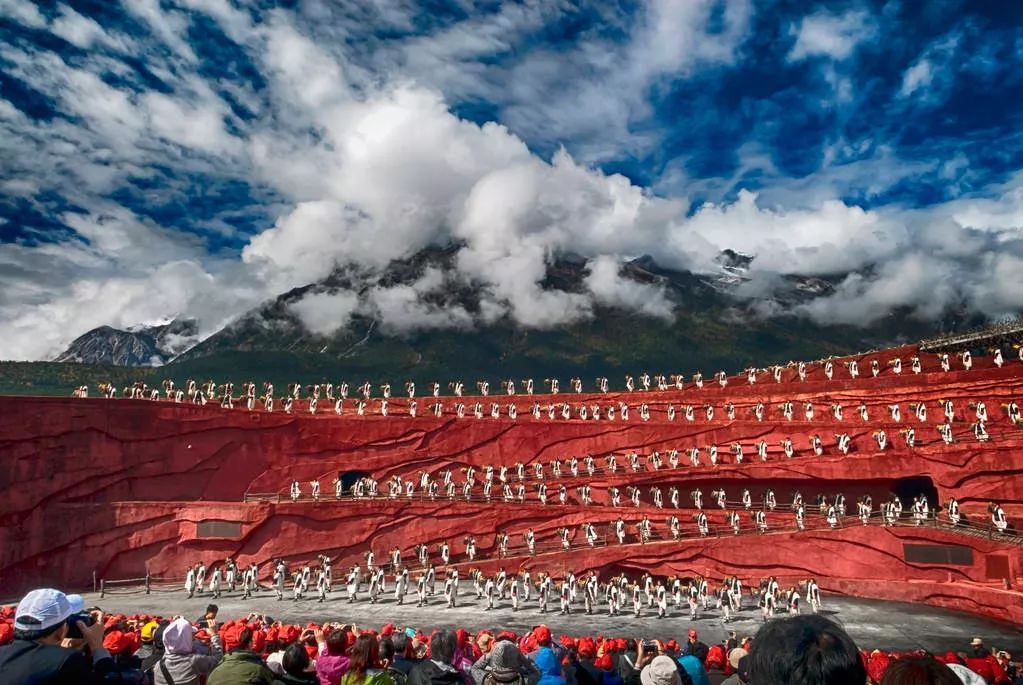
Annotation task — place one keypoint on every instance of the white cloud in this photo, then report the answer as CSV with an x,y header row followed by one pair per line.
x,y
84,32
366,167
608,287
835,36
325,313
24,12
916,77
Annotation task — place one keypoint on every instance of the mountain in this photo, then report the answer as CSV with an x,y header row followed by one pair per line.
x,y
137,346
718,324
712,329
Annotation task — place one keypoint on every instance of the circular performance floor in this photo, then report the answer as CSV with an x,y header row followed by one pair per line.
x,y
894,626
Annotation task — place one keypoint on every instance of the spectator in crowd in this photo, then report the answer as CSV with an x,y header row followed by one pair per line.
x,y
694,647
297,667
242,665
966,676
438,669
549,666
694,668
661,670
387,654
403,660
738,660
331,660
980,660
804,650
180,664
919,670
365,667
50,632
504,665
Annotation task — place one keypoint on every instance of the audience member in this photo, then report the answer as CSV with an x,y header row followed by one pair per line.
x,y
50,633
804,650
919,670
438,669
180,664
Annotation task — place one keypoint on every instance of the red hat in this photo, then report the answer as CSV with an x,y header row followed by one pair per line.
x,y
604,662
672,646
587,647
507,635
7,611
567,641
258,640
877,665
273,633
292,633
202,635
621,645
542,634
117,642
463,637
387,630
692,632
6,633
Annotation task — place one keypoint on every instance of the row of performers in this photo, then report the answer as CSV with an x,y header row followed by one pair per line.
x,y
201,393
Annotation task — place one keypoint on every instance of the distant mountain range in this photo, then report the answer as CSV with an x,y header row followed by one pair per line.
x,y
140,346
712,329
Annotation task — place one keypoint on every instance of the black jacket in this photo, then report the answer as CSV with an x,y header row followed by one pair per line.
x,y
29,663
428,673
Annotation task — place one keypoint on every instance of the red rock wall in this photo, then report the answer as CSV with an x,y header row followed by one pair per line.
x,y
111,485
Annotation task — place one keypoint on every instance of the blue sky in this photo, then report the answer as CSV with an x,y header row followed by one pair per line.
x,y
194,157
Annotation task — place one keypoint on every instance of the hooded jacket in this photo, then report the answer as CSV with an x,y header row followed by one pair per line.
x,y
549,667
183,665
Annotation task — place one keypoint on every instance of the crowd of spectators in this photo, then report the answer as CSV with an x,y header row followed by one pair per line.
x,y
52,639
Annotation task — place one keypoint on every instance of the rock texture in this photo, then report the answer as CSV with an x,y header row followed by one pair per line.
x,y
119,486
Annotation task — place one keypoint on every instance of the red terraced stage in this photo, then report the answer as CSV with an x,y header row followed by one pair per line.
x,y
118,486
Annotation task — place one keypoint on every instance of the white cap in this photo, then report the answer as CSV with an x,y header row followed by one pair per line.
x,y
77,603
42,609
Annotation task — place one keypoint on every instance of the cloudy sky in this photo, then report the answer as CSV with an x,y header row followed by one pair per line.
x,y
163,158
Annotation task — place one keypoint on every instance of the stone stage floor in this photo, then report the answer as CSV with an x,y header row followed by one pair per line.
x,y
871,623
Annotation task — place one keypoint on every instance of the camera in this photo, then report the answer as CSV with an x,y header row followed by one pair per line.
x,y
649,647
73,630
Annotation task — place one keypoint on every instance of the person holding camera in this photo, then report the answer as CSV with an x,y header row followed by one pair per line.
x,y
52,632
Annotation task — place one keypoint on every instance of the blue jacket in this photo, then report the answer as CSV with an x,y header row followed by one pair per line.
x,y
549,666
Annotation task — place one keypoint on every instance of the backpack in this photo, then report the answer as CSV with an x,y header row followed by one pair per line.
x,y
398,676
503,678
